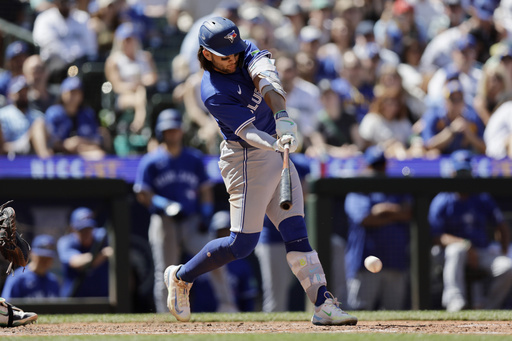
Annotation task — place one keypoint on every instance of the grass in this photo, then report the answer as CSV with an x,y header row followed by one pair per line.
x,y
337,334
424,315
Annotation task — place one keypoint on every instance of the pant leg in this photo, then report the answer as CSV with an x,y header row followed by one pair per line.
x,y
339,280
166,251
500,268
454,285
275,275
363,290
394,291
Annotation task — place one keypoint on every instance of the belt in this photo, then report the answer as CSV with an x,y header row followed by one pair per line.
x,y
245,144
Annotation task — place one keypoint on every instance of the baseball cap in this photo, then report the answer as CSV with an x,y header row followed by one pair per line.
x,y
16,84
220,220
15,49
461,160
452,87
374,155
484,9
401,6
70,83
321,4
44,245
82,218
168,119
221,37
126,30
290,8
467,41
364,28
309,34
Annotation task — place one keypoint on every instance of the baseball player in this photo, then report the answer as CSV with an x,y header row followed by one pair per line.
x,y
242,90
16,250
172,183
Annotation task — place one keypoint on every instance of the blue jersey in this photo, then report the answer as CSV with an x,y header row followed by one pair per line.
x,y
5,79
234,101
95,282
435,120
61,126
389,242
175,178
26,283
466,218
15,123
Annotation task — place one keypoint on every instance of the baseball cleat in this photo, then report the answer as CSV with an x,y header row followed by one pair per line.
x,y
11,316
329,313
177,300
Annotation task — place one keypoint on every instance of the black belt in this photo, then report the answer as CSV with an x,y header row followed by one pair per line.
x,y
245,144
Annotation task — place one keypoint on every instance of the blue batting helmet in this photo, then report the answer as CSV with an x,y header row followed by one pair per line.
x,y
221,37
167,119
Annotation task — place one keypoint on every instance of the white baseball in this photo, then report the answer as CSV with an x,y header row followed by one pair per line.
x,y
373,264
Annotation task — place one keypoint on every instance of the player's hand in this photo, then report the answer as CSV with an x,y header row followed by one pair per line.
x,y
286,126
284,140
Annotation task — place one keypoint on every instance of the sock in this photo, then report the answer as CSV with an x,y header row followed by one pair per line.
x,y
295,235
320,298
213,255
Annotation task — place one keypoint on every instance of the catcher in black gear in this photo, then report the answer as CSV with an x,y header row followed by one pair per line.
x,y
16,250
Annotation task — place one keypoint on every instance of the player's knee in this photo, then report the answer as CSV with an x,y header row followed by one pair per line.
x,y
243,243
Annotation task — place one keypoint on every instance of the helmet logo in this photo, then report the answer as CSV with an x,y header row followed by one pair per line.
x,y
231,36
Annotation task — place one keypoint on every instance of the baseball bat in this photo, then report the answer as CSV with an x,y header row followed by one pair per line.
x,y
285,197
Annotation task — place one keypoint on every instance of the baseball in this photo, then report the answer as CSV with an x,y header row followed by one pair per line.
x,y
373,264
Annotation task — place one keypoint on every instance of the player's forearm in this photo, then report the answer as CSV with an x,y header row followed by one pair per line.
x,y
257,138
275,101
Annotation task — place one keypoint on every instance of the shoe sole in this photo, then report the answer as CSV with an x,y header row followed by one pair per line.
x,y
30,320
334,323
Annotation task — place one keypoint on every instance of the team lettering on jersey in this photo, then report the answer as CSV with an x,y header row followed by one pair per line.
x,y
256,98
170,177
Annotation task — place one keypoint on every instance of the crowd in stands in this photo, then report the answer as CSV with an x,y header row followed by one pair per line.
x,y
398,68
413,78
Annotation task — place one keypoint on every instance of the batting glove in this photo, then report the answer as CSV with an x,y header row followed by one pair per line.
x,y
285,125
284,140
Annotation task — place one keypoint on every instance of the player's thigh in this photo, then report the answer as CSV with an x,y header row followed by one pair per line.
x,y
251,176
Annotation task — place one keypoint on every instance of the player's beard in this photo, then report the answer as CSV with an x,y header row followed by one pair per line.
x,y
231,68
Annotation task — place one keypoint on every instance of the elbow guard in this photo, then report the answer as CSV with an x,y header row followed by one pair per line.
x,y
264,68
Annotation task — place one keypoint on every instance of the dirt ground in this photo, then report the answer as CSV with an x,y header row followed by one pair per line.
x,y
426,327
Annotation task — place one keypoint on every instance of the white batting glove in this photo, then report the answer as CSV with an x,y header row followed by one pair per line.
x,y
285,125
284,140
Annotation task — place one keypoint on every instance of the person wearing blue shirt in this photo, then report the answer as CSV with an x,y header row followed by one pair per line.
x,y
15,55
35,281
453,125
171,181
84,254
379,226
459,224
72,126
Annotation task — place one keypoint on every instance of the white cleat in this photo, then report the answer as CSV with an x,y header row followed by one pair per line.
x,y
11,316
329,313
177,300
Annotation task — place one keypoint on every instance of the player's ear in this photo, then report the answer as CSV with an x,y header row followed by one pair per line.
x,y
207,54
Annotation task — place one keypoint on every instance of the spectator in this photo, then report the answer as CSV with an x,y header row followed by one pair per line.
x,y
453,126
495,87
459,223
287,36
64,38
22,129
340,42
337,132
379,225
241,275
15,55
106,16
73,127
172,183
84,254
320,16
324,67
352,86
39,97
387,124
131,71
464,65
36,280
452,16
303,98
498,132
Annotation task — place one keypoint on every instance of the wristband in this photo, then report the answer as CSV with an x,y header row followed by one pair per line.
x,y
280,114
159,202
